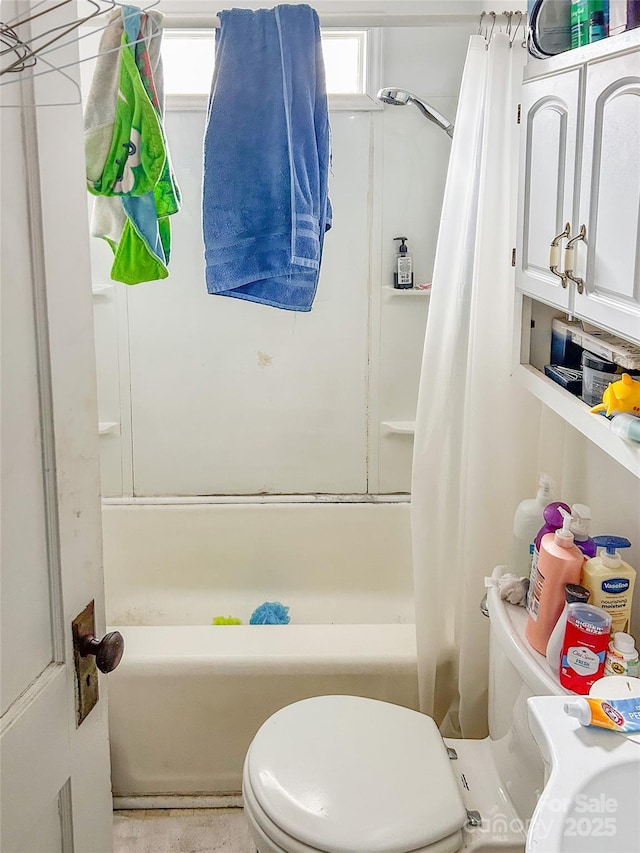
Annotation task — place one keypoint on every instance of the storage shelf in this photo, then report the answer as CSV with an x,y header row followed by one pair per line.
x,y
108,427
595,427
400,427
409,291
103,290
620,43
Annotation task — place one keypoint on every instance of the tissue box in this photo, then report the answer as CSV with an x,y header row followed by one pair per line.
x,y
608,346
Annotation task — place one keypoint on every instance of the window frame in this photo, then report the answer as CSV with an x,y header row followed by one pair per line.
x,y
371,70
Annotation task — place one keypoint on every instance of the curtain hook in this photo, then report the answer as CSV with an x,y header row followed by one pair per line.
x,y
482,17
520,18
508,16
493,25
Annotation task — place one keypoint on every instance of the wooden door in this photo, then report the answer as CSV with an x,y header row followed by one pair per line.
x,y
55,783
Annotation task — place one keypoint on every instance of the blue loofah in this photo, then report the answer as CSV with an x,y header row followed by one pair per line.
x,y
270,613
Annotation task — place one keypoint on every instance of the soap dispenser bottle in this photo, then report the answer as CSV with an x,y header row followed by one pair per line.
x,y
527,521
580,524
559,563
553,515
610,580
403,273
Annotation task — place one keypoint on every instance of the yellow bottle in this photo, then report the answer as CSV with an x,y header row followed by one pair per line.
x,y
610,581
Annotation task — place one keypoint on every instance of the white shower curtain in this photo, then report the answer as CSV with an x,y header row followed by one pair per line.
x,y
476,439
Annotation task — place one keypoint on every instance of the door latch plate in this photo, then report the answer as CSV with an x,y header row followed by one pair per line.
x,y
87,691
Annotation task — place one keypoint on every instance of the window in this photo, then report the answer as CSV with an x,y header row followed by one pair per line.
x,y
188,59
345,56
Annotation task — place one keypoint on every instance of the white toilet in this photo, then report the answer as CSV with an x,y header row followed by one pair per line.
x,y
343,774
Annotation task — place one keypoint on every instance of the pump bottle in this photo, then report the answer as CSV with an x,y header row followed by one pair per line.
x,y
403,273
610,581
580,524
559,563
553,516
527,521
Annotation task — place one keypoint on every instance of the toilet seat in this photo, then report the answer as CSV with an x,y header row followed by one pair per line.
x,y
269,838
343,774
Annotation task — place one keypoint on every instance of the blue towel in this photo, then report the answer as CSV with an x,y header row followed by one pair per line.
x,y
266,158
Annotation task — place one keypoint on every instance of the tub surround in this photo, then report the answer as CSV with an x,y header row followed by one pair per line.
x,y
183,564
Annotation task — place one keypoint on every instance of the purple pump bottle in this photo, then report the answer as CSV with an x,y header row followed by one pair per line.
x,y
552,521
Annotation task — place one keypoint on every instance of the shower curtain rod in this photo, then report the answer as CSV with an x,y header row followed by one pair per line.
x,y
336,20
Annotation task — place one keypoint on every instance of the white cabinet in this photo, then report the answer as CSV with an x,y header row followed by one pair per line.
x,y
548,175
609,205
580,165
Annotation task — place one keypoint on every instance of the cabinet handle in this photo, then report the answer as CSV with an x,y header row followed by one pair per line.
x,y
569,260
554,254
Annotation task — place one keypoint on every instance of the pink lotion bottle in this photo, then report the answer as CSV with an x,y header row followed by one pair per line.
x,y
559,563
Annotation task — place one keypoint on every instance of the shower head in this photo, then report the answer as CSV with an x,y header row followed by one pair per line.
x,y
400,97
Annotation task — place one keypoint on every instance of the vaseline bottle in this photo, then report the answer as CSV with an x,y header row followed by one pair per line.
x,y
610,581
559,563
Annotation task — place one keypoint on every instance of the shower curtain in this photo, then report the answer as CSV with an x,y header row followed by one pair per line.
x,y
476,441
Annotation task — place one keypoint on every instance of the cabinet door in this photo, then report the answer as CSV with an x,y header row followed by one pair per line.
x,y
609,260
547,174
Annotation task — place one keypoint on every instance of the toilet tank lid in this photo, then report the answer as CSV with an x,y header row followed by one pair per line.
x,y
347,774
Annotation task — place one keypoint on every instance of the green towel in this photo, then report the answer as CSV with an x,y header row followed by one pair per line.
x,y
128,165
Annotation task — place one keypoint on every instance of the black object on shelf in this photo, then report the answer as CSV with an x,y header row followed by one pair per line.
x,y
566,377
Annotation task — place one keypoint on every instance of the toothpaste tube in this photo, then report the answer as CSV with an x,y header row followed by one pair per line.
x,y
620,715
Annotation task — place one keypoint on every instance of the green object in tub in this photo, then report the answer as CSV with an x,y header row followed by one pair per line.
x,y
226,620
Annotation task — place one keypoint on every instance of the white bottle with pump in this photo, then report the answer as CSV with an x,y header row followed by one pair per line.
x,y
527,521
580,524
403,272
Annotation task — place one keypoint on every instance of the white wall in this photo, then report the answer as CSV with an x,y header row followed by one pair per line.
x,y
230,397
220,396
429,63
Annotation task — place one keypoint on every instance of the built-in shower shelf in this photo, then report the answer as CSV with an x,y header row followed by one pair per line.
x,y
399,427
108,428
409,291
101,290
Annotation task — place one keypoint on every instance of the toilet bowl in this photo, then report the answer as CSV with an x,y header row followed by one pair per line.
x,y
346,774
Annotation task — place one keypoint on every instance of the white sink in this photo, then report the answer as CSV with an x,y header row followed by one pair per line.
x,y
590,803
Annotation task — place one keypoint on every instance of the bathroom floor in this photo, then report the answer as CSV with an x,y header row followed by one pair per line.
x,y
180,831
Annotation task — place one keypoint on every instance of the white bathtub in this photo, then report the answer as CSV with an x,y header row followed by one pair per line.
x,y
188,697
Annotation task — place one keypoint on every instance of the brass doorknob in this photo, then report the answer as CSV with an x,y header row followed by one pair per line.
x,y
108,650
